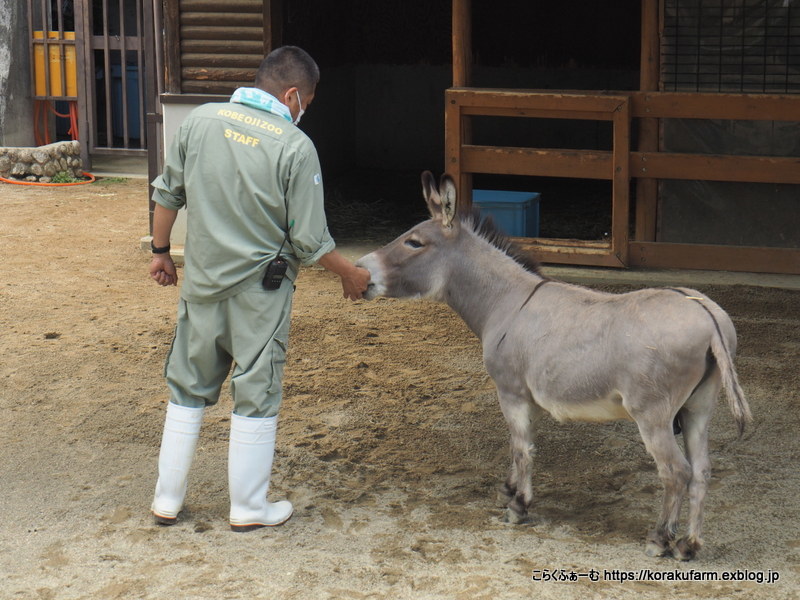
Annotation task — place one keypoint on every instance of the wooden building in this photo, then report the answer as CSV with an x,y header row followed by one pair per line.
x,y
711,61
684,115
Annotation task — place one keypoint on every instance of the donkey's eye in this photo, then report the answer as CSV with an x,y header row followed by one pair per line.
x,y
413,243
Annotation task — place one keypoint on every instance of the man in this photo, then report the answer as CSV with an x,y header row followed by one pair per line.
x,y
251,183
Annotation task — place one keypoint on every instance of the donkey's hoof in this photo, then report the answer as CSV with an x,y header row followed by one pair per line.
x,y
503,499
655,549
515,518
685,549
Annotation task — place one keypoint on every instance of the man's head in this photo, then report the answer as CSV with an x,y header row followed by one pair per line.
x,y
291,75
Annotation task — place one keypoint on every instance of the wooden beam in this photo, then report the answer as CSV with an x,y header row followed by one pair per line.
x,y
207,88
202,32
566,251
644,104
536,113
462,43
659,255
222,60
590,246
223,46
221,5
218,74
712,167
747,107
227,19
499,160
556,102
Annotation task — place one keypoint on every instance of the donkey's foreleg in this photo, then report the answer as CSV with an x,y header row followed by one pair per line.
x,y
518,487
675,474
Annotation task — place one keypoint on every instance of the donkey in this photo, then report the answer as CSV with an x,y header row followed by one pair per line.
x,y
656,356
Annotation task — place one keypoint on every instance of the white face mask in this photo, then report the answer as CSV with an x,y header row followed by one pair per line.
x,y
300,104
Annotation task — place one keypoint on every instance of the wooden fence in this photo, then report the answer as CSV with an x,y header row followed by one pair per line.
x,y
621,165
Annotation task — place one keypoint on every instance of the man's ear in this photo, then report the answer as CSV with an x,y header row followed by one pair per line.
x,y
289,95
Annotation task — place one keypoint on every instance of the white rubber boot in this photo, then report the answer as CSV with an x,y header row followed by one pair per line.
x,y
181,430
250,453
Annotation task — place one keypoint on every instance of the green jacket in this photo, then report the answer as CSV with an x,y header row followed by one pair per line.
x,y
244,175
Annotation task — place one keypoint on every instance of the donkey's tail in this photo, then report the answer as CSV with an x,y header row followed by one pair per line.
x,y
730,380
722,354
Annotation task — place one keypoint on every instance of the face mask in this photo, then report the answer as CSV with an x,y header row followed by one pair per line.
x,y
300,104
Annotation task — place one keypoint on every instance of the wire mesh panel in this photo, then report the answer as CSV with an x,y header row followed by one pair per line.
x,y
731,46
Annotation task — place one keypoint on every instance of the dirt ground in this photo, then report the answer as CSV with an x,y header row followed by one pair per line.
x,y
391,445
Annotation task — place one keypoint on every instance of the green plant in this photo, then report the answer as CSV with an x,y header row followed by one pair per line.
x,y
63,177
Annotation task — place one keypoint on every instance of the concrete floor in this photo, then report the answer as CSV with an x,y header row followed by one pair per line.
x,y
130,167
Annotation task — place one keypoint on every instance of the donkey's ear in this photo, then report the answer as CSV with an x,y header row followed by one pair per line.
x,y
448,199
431,194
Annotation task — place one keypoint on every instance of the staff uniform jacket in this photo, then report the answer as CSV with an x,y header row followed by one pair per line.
x,y
244,174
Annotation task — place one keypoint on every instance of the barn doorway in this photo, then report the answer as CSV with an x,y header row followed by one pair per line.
x,y
378,117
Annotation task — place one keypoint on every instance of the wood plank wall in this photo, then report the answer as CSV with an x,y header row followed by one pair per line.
x,y
217,45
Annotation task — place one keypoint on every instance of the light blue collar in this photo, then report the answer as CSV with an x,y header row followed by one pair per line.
x,y
262,100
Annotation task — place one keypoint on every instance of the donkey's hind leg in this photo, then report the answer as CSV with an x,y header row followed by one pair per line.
x,y
518,488
694,417
675,474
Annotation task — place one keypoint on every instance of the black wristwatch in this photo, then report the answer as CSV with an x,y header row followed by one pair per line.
x,y
155,250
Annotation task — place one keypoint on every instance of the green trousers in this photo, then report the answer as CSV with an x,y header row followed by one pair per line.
x,y
249,331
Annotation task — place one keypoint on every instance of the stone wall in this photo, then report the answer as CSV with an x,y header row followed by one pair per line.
x,y
43,163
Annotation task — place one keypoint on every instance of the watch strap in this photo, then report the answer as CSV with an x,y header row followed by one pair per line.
x,y
157,250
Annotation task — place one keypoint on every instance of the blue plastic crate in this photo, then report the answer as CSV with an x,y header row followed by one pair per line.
x,y
515,213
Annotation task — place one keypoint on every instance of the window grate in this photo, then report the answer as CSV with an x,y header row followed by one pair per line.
x,y
750,46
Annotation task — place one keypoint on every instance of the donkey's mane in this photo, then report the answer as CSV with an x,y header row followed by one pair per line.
x,y
487,229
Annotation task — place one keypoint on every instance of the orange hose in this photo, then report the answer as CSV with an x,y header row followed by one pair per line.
x,y
73,120
41,108
14,181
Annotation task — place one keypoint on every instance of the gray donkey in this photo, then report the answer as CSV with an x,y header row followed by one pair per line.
x,y
656,356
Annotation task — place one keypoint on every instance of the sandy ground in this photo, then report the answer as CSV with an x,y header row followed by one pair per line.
x,y
391,445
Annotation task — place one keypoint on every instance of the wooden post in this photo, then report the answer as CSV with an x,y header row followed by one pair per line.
x,y
462,43
273,25
172,46
649,76
620,189
462,77
85,81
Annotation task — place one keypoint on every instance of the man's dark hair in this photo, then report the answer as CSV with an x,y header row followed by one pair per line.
x,y
285,67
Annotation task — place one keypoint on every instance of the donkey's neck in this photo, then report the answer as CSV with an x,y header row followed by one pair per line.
x,y
482,281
